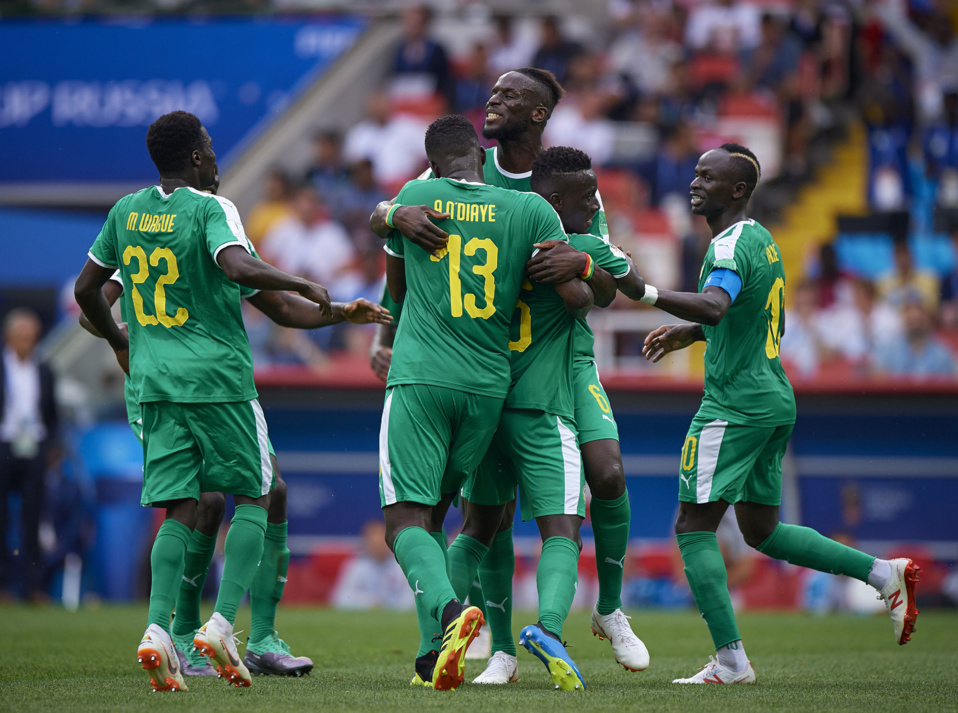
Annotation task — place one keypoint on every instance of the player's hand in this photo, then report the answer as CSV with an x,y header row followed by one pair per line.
x,y
669,338
555,262
362,311
414,222
379,359
317,293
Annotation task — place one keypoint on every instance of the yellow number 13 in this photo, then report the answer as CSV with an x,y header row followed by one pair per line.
x,y
455,251
159,293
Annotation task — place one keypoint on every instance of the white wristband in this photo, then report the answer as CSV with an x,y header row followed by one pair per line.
x,y
650,296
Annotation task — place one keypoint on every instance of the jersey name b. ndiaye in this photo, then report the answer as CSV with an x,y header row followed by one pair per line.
x,y
188,343
744,379
458,305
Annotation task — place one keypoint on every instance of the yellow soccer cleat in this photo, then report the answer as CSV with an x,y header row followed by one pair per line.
x,y
451,665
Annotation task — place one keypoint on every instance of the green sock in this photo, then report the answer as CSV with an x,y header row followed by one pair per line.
x,y
611,520
465,554
476,598
430,630
166,568
495,574
269,582
424,564
199,553
708,579
556,579
806,548
243,551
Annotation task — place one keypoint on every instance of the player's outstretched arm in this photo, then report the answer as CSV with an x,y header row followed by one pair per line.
x,y
381,349
632,285
242,268
93,303
112,291
706,307
296,312
671,338
557,262
413,221
577,296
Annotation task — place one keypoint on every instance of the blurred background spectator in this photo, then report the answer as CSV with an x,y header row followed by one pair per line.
x,y
373,580
274,207
918,353
28,447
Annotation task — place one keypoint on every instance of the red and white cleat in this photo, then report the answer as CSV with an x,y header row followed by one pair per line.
x,y
158,658
899,598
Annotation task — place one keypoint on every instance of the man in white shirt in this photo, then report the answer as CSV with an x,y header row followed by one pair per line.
x,y
28,427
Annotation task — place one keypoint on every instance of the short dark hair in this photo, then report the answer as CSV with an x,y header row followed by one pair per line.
x,y
450,136
747,167
172,139
552,91
557,160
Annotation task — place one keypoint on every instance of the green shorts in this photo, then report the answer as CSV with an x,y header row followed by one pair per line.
x,y
538,452
430,439
593,414
190,449
726,461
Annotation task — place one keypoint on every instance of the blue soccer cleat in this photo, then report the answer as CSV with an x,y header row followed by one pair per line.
x,y
565,674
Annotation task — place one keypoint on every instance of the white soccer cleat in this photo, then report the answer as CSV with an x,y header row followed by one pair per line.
x,y
899,597
158,658
215,639
714,672
481,646
628,649
501,668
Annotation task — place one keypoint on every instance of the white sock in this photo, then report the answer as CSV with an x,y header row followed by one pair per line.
x,y
880,574
732,656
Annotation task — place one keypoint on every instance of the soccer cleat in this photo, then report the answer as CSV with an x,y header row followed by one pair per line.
x,y
215,639
628,649
501,668
425,665
565,674
714,672
192,662
899,597
272,657
451,663
481,648
158,658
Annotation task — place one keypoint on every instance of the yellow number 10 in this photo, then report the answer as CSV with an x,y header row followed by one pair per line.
x,y
776,301
487,270
159,293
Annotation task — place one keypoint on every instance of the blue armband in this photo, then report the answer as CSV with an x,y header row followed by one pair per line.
x,y
727,280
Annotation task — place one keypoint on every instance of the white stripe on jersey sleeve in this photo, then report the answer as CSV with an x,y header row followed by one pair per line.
x,y
99,262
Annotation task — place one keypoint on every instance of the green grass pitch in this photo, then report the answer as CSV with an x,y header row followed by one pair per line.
x,y
53,660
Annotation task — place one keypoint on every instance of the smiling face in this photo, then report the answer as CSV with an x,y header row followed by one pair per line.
x,y
515,105
577,203
715,187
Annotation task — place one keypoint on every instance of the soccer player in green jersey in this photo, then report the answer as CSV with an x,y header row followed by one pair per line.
x,y
450,373
516,115
734,448
266,653
189,358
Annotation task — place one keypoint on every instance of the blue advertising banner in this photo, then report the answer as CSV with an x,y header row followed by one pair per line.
x,y
76,98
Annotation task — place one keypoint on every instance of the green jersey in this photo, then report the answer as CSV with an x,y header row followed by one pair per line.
x,y
610,259
495,175
542,342
458,306
745,383
187,339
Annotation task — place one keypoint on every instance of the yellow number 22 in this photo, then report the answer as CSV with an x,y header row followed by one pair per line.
x,y
159,294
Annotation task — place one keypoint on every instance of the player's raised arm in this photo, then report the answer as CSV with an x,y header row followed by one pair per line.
x,y
706,307
413,221
557,262
244,269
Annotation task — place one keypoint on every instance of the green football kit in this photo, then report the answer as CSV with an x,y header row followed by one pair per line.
x,y
735,444
454,334
188,345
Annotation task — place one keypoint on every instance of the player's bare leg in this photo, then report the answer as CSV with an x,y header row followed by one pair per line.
x,y
611,520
